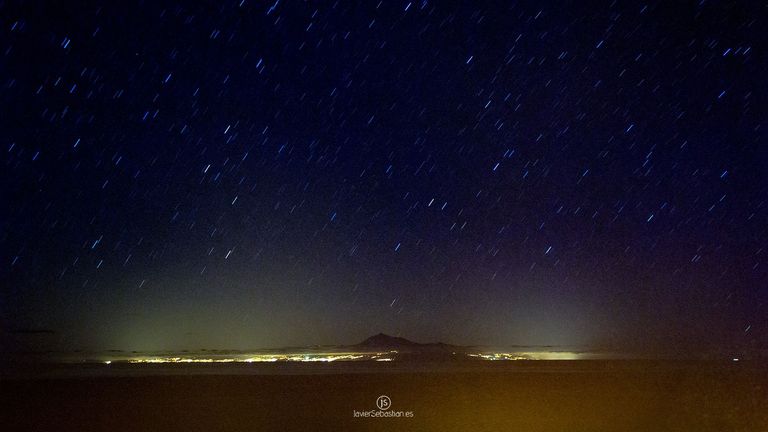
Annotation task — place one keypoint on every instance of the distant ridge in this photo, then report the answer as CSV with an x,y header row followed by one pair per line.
x,y
382,340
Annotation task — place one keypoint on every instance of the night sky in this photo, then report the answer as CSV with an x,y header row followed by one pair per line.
x,y
257,174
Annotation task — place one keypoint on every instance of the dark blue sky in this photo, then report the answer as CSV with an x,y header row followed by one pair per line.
x,y
251,174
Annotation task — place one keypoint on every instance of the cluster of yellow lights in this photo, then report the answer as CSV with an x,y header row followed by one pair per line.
x,y
553,355
498,356
267,358
181,360
330,357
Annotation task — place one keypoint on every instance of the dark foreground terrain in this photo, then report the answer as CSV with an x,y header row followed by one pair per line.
x,y
511,396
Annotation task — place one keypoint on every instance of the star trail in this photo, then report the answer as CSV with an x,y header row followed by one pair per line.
x,y
261,174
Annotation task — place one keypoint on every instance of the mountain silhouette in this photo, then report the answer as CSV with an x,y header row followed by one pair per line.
x,y
383,341
386,341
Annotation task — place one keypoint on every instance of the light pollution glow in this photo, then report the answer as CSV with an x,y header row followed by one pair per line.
x,y
544,355
352,356
269,358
